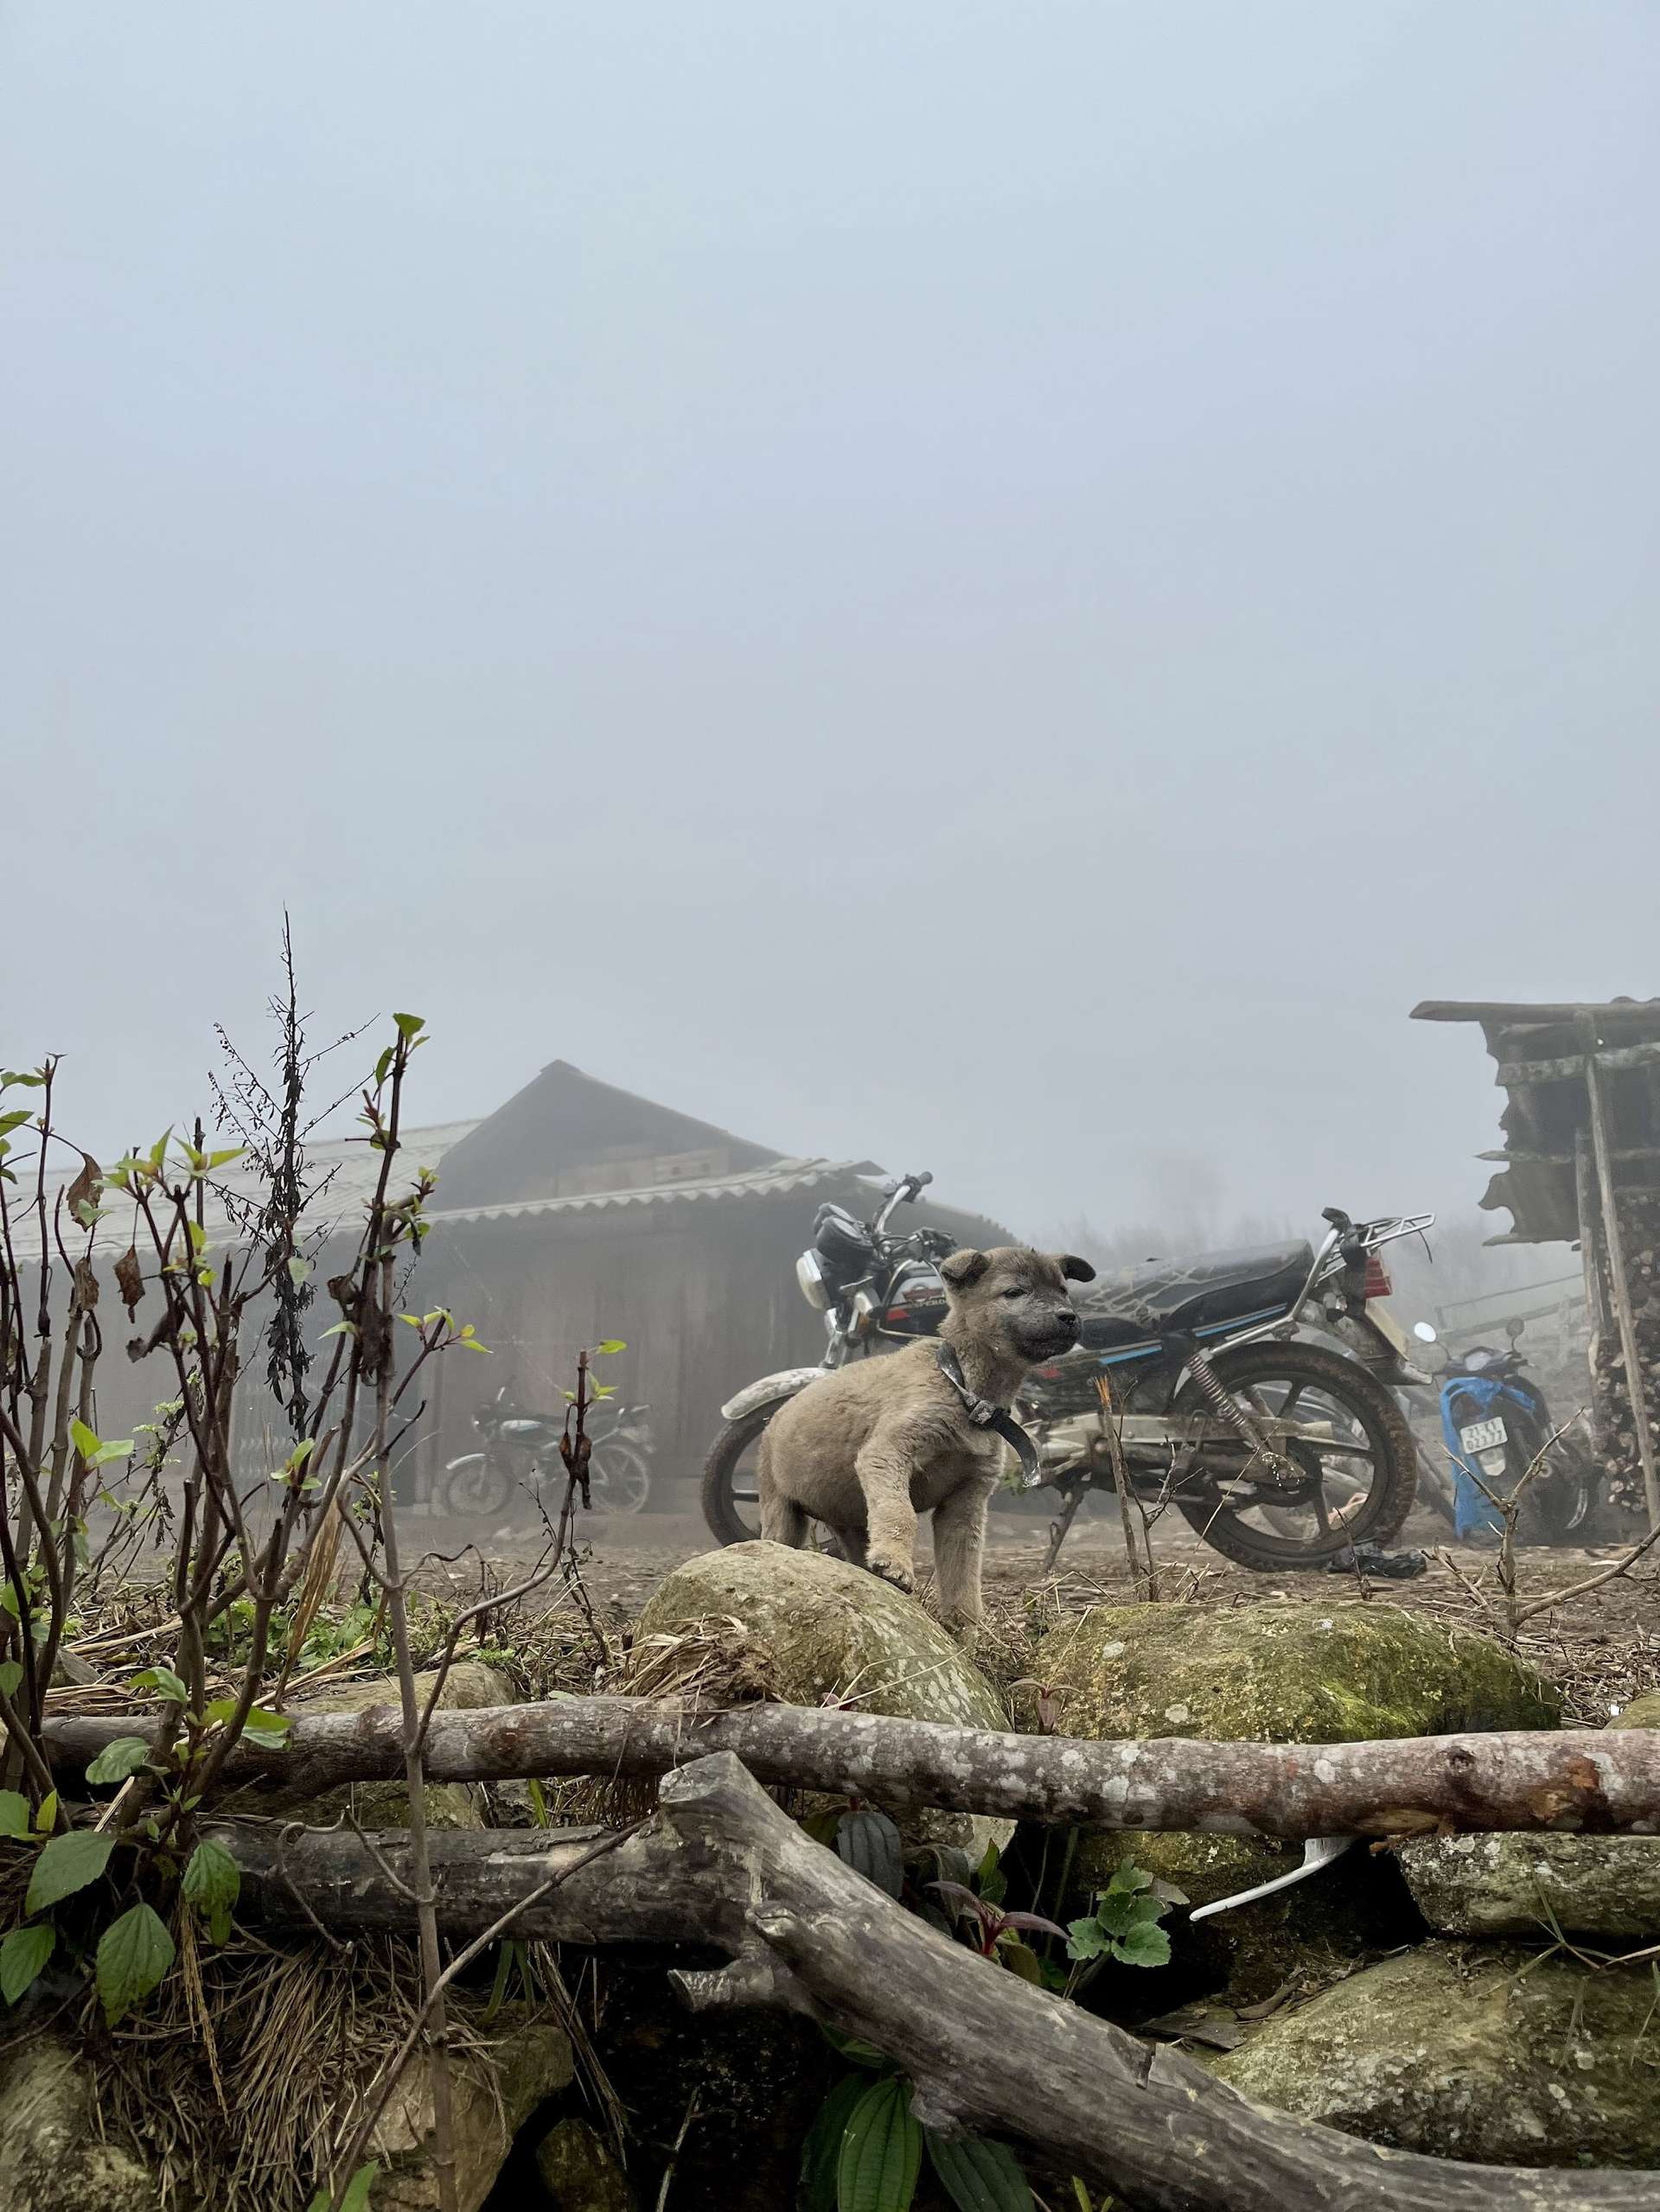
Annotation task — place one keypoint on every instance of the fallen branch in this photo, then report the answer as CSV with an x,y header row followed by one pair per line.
x,y
722,1867
1603,1781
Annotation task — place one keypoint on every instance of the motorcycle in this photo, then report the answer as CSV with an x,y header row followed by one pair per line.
x,y
1190,1375
1496,1426
521,1449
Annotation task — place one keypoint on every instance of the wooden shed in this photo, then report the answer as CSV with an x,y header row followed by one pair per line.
x,y
1580,1165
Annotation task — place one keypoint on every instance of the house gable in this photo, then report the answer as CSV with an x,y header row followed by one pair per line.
x,y
565,1135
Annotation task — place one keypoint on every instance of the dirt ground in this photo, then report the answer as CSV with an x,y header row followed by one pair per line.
x,y
1602,1646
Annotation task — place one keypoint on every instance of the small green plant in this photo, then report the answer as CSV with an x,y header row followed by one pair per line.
x,y
1124,1926
863,2152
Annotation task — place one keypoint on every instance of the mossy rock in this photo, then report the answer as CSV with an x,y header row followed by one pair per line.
x,y
1486,2052
1599,1886
823,1631
1274,1673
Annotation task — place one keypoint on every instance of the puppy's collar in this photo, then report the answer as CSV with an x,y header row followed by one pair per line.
x,y
984,1415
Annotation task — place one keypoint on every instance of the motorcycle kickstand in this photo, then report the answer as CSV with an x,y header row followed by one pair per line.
x,y
1057,1529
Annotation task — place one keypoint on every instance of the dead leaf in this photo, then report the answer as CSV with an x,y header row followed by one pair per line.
x,y
1267,2004
83,1191
85,1285
130,1280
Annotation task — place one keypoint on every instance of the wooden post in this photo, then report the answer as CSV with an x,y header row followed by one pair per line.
x,y
1620,1289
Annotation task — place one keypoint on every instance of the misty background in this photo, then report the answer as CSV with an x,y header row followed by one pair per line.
x,y
994,588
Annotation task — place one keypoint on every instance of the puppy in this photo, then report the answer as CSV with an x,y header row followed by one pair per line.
x,y
866,1449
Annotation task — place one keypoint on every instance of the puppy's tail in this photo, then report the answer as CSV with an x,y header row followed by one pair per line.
x,y
783,1522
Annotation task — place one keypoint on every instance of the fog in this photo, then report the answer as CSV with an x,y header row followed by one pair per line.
x,y
997,589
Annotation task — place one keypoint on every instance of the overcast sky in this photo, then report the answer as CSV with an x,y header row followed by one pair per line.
x,y
1001,587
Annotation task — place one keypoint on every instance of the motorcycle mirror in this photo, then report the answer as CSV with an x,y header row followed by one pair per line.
x,y
1424,1333
1514,1327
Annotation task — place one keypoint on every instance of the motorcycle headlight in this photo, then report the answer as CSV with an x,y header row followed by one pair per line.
x,y
815,1289
1475,1362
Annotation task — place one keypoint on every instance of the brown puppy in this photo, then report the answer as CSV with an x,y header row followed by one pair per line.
x,y
868,1448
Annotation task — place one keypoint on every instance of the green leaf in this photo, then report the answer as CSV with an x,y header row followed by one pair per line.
x,y
11,1677
978,2176
13,1815
15,1119
164,1679
356,2199
224,1159
868,1842
270,1727
611,1344
85,1441
46,1813
66,1863
134,1952
10,1075
1087,1938
822,2152
989,1878
881,2152
1145,1945
1127,1876
537,1797
212,1883
410,1025
855,2051
119,1759
23,1954
1020,1959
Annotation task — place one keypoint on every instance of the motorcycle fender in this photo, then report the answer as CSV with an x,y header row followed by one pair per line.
x,y
467,1459
770,1390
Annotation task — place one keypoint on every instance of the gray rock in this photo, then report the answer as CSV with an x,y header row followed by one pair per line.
x,y
532,2060
1488,2053
52,2159
1601,1886
830,1631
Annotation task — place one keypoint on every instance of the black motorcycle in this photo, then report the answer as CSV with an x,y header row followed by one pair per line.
x,y
521,1452
1279,1452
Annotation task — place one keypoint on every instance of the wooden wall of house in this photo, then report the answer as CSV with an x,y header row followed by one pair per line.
x,y
704,1296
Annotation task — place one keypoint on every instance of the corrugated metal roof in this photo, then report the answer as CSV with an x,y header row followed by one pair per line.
x,y
775,1180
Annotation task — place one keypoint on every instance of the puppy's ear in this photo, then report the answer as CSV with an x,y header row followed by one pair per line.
x,y
962,1268
1074,1269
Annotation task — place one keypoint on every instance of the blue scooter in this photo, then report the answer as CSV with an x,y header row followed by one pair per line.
x,y
1496,1425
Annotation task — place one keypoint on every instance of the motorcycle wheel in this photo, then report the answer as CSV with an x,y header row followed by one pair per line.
x,y
476,1488
731,1501
732,1498
1371,1449
619,1478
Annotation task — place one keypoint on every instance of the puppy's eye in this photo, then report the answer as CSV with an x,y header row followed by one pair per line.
x,y
1016,1290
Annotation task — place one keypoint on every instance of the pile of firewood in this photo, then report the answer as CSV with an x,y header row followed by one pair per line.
x,y
1616,1431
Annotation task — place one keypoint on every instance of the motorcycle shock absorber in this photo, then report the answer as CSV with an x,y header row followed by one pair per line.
x,y
1229,1412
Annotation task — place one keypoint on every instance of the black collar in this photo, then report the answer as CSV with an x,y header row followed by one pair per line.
x,y
986,1416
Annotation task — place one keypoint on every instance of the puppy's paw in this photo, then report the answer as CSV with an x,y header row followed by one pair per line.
x,y
964,1635
892,1571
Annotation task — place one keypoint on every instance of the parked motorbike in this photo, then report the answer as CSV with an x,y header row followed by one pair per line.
x,y
1496,1425
1279,1452
521,1450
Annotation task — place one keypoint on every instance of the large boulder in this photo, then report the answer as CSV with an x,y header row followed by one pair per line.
x,y
1605,1886
818,1631
1273,1674
53,2156
1488,2053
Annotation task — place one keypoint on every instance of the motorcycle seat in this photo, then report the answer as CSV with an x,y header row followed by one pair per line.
x,y
1126,1305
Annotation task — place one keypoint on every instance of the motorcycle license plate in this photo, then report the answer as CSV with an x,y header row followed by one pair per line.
x,y
1482,1436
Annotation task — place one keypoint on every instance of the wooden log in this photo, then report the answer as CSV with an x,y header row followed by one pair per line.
x,y
723,1867
1604,1780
